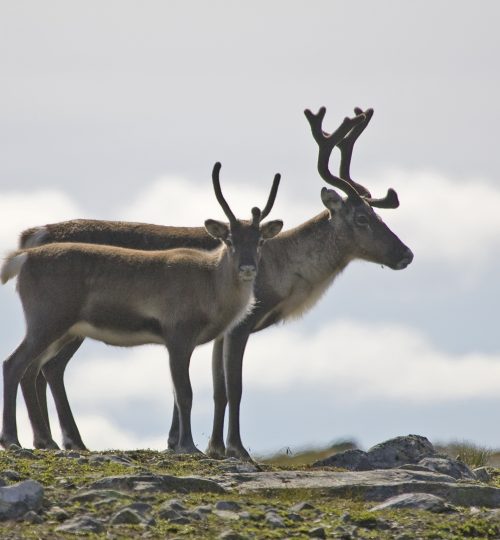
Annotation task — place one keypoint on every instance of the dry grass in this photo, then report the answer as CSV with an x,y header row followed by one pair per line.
x,y
469,453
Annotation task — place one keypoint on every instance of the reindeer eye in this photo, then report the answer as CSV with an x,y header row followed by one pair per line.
x,y
362,220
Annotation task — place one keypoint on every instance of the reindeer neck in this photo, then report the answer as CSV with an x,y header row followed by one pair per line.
x,y
315,249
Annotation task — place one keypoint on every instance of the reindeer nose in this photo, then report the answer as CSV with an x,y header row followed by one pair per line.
x,y
405,260
247,272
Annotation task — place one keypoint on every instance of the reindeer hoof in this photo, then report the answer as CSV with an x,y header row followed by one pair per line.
x,y
215,451
46,445
238,453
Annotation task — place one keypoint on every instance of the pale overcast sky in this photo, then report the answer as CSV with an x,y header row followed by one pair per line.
x,y
118,110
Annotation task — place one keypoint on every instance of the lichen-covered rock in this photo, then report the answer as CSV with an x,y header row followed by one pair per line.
x,y
400,450
449,466
301,506
20,498
416,501
157,483
317,532
232,506
386,455
81,525
231,535
274,520
126,516
482,474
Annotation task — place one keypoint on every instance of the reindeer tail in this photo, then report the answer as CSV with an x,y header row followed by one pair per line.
x,y
12,265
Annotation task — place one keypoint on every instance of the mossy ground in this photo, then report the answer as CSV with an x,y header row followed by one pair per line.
x,y
345,518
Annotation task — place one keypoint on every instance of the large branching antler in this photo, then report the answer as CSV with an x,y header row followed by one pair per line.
x,y
349,130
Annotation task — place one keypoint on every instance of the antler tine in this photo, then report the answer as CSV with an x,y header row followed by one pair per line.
x,y
389,201
218,193
330,139
346,146
272,196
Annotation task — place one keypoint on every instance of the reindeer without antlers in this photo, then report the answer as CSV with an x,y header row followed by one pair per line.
x,y
296,269
179,298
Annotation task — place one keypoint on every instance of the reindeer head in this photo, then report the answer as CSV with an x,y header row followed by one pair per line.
x,y
243,239
353,216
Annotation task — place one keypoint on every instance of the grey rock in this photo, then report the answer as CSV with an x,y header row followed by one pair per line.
x,y
57,513
173,504
416,501
399,451
386,455
181,520
231,535
227,515
299,507
157,483
274,521
126,516
414,467
482,474
204,509
8,474
232,506
96,494
81,524
17,499
197,516
235,466
72,454
317,532
352,460
169,514
245,515
295,517
451,467
32,517
140,507
377,485
25,453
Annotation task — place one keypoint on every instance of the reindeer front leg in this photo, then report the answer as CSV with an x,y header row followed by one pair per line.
x,y
216,448
180,356
234,349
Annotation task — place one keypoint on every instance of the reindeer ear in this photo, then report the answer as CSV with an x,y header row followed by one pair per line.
x,y
217,229
332,200
271,229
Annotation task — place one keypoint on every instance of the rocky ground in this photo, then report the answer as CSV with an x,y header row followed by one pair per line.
x,y
402,489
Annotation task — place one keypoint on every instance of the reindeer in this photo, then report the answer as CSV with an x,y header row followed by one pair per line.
x,y
297,267
179,298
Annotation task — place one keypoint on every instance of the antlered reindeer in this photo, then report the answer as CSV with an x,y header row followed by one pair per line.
x,y
179,298
297,267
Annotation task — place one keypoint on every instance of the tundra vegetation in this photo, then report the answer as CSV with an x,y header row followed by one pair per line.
x,y
72,504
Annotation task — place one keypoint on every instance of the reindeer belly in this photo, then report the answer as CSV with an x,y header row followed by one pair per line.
x,y
130,334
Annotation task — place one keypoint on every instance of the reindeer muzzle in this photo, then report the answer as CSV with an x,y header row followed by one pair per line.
x,y
247,272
